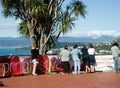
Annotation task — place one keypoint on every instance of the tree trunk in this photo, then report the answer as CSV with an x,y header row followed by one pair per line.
x,y
31,33
41,42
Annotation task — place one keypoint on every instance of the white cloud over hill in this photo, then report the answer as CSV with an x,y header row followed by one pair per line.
x,y
94,34
12,26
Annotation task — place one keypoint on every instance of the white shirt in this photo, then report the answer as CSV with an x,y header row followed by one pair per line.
x,y
114,51
91,51
64,54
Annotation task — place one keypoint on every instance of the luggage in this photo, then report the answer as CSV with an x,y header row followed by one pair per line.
x,y
82,67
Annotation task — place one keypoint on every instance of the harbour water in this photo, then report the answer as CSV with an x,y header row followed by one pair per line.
x,y
13,51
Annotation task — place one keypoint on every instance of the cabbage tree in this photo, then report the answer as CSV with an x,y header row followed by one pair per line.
x,y
44,20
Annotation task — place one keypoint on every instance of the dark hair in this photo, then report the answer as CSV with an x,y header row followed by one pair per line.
x,y
75,46
66,47
91,45
115,44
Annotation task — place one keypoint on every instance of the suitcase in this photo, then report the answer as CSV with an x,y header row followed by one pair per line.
x,y
82,67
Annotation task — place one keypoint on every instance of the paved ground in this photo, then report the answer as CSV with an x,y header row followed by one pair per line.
x,y
90,80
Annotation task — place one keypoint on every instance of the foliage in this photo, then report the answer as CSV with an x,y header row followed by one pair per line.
x,y
43,20
102,47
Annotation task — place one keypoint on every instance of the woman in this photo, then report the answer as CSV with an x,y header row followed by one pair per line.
x,y
64,55
91,52
75,56
86,59
34,53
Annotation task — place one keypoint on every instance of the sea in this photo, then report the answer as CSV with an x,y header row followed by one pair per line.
x,y
12,51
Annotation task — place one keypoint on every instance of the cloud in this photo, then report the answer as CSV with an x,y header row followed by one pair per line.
x,y
9,25
17,21
94,33
9,28
99,33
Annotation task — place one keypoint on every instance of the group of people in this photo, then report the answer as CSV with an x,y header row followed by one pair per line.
x,y
86,53
88,57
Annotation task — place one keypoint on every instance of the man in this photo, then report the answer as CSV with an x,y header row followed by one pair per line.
x,y
115,54
65,55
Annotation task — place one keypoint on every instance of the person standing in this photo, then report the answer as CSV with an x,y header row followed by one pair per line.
x,y
86,59
91,52
64,56
115,54
75,56
34,53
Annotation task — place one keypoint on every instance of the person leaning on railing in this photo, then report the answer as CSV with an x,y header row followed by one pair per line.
x,y
115,54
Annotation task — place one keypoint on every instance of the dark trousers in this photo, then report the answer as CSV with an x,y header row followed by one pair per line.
x,y
66,66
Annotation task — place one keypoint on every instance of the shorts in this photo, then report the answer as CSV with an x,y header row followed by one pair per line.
x,y
92,60
34,61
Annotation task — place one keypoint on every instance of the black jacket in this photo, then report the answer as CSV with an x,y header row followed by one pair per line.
x,y
34,53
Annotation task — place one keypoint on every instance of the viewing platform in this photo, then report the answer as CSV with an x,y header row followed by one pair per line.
x,y
20,75
85,80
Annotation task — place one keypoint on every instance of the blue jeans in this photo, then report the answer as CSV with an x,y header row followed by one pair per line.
x,y
116,63
77,66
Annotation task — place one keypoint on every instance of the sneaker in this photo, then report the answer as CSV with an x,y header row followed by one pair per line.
x,y
74,72
62,73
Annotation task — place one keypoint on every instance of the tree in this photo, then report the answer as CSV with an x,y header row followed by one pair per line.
x,y
43,20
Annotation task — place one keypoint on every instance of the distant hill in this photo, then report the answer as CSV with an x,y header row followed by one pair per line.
x,y
14,42
21,41
87,39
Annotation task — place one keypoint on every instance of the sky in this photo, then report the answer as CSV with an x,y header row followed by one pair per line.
x,y
103,18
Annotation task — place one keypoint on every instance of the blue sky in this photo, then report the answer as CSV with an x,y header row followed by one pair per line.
x,y
103,18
